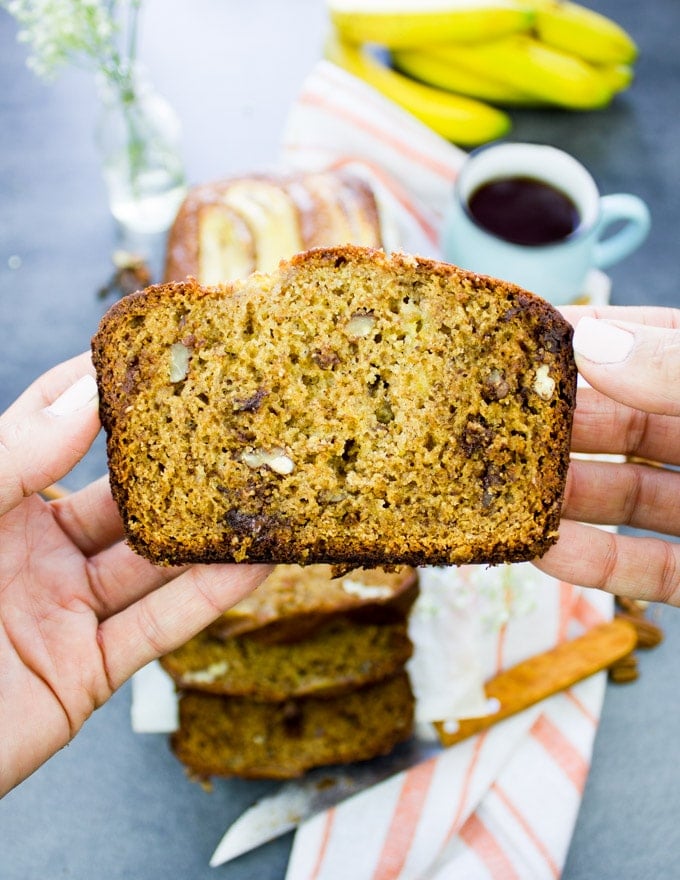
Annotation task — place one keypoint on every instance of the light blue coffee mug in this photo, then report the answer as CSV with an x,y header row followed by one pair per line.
x,y
556,271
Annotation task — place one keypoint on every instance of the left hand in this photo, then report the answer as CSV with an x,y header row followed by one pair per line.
x,y
79,611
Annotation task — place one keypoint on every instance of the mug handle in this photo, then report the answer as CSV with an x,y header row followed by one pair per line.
x,y
635,214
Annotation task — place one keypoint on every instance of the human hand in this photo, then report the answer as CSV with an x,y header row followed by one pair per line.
x,y
631,358
79,611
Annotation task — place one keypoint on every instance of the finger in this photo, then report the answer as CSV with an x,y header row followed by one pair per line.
x,y
89,517
38,448
603,425
636,495
652,316
641,568
635,364
118,577
171,615
50,385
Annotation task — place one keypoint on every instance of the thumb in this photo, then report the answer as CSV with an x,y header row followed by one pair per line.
x,y
42,446
634,364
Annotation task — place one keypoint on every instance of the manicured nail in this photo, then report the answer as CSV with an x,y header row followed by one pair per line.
x,y
81,394
602,342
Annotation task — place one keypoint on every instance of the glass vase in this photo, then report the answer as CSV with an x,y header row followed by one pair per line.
x,y
138,135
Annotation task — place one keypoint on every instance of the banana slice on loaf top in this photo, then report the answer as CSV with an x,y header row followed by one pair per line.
x,y
350,408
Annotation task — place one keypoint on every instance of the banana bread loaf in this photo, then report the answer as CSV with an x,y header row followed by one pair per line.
x,y
350,408
230,228
229,736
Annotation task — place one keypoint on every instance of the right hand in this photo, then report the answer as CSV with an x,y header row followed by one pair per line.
x,y
631,359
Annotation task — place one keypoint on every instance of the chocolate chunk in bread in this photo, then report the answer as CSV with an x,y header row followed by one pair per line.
x,y
349,408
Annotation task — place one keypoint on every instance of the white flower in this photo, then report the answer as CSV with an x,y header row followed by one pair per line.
x,y
100,34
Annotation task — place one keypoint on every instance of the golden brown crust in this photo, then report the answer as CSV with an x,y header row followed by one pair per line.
x,y
351,408
336,208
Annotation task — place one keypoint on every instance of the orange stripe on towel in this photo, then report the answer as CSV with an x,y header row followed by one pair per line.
x,y
323,845
400,834
379,134
399,144
561,750
586,613
465,788
581,706
500,647
486,847
528,830
566,606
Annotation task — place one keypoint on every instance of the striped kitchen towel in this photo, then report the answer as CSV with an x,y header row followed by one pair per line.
x,y
503,804
499,805
339,122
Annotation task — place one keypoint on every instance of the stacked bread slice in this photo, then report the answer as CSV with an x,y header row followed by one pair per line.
x,y
308,671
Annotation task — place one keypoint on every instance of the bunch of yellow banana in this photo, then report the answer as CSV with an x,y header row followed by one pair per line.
x,y
459,64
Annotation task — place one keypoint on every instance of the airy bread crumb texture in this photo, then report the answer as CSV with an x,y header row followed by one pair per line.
x,y
349,408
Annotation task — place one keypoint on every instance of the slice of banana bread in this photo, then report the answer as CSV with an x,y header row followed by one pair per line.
x,y
228,736
350,408
294,601
337,657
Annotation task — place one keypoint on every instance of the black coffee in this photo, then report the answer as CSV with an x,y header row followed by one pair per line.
x,y
523,210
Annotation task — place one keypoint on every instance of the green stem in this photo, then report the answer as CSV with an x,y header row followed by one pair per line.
x,y
133,31
135,144
122,77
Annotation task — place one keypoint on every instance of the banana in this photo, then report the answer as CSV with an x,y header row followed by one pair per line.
x,y
463,121
401,23
437,67
582,32
540,71
617,76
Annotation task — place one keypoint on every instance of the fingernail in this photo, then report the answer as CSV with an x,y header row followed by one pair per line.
x,y
602,342
81,394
